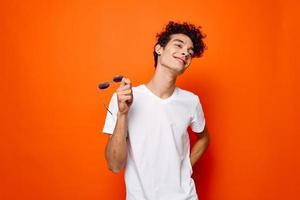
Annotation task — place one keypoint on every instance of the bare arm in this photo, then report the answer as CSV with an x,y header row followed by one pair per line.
x,y
116,148
200,146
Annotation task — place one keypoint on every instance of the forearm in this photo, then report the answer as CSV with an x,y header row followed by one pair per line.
x,y
198,149
116,149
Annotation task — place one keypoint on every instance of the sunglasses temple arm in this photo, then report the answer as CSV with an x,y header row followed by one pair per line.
x,y
106,108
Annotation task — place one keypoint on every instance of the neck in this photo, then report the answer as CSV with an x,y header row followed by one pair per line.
x,y
163,82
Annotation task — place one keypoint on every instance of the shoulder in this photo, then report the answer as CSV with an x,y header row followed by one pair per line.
x,y
138,89
188,95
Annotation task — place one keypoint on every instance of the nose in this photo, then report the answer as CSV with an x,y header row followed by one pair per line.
x,y
184,52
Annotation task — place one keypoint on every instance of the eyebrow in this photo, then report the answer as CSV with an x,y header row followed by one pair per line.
x,y
178,40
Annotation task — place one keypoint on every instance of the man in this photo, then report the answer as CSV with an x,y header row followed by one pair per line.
x,y
148,128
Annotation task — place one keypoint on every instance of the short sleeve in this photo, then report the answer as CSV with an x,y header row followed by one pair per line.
x,y
111,118
198,120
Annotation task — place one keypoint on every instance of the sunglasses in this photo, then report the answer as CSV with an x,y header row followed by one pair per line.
x,y
116,79
104,85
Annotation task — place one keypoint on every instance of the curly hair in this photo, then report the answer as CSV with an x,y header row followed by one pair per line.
x,y
190,30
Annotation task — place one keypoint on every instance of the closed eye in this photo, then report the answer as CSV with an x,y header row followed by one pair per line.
x,y
180,46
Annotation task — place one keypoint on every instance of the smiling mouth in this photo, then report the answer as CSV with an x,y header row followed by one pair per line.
x,y
182,61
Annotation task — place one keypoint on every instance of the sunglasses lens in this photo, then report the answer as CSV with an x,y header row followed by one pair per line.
x,y
103,85
118,78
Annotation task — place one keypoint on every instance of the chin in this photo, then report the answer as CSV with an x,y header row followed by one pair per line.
x,y
181,72
175,67
179,69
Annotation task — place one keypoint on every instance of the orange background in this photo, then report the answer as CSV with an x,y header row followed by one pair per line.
x,y
54,53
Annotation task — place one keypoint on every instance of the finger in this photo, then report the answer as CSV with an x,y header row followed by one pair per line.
x,y
125,81
122,88
130,98
126,87
122,84
124,92
121,97
125,98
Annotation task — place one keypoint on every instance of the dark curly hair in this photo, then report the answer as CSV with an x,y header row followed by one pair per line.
x,y
190,30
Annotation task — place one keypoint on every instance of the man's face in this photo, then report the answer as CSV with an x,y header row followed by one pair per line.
x,y
177,54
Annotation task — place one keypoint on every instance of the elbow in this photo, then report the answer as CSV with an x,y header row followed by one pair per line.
x,y
207,140
206,137
115,168
206,143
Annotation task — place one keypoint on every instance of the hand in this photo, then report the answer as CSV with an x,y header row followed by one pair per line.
x,y
124,95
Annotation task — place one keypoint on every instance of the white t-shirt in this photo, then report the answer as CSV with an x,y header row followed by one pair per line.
x,y
158,164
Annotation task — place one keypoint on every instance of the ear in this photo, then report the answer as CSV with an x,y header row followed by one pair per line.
x,y
158,49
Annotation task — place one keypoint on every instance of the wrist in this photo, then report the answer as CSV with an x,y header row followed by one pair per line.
x,y
121,114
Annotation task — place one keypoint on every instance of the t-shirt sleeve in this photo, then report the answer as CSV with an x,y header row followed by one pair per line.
x,y
198,120
111,118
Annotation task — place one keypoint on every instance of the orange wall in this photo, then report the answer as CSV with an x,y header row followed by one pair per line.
x,y
53,55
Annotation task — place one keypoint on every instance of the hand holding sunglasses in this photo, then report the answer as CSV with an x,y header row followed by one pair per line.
x,y
124,93
125,97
